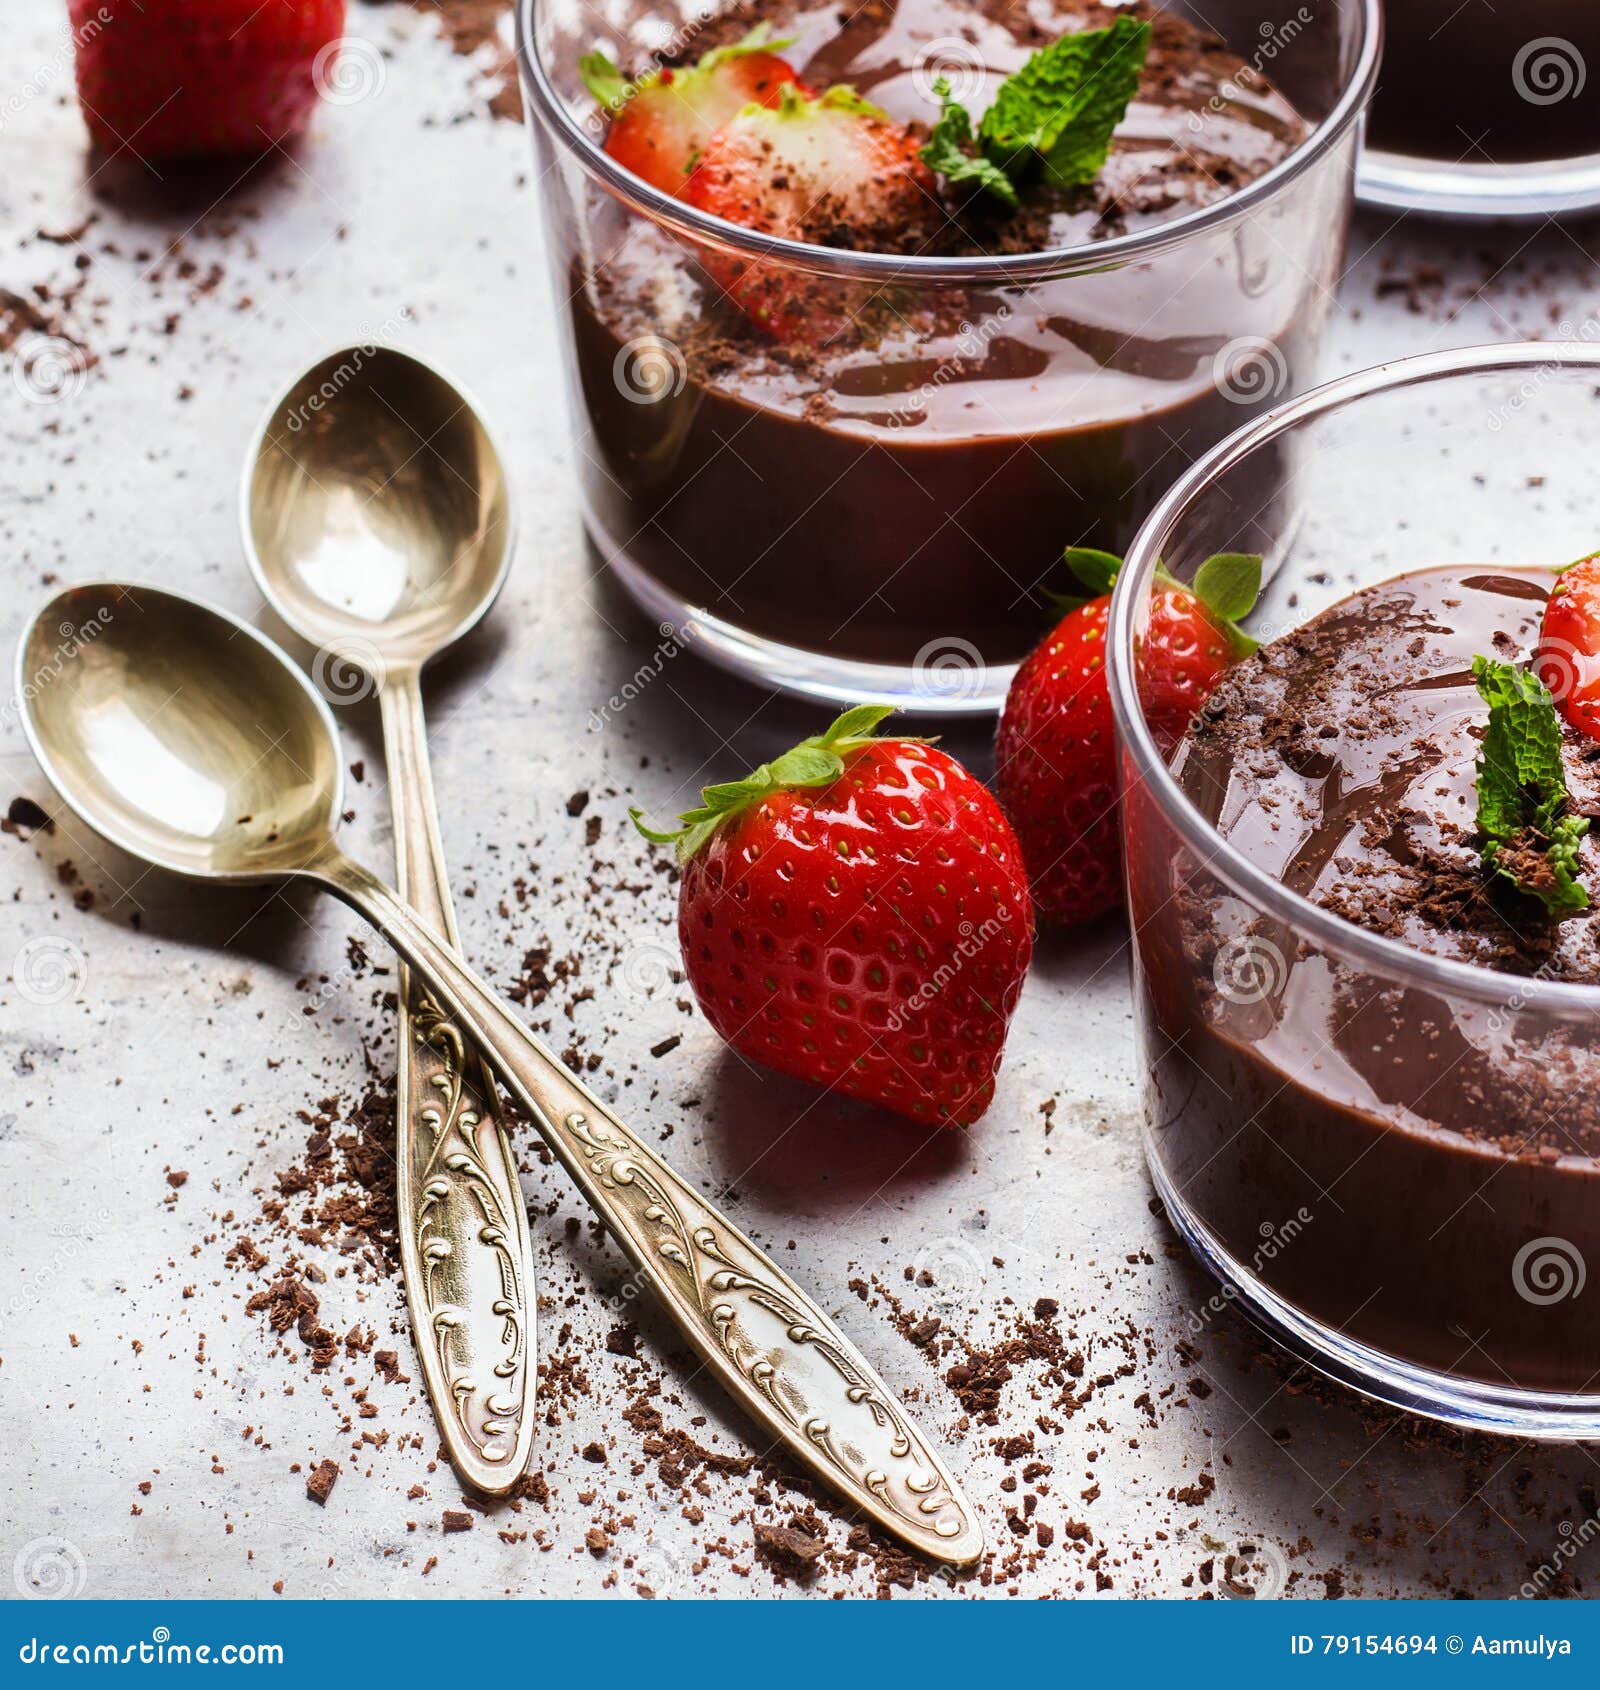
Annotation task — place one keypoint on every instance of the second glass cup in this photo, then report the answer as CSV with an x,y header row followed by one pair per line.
x,y
871,508
1389,1157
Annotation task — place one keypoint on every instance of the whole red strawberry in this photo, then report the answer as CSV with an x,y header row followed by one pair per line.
x,y
1055,755
856,914
168,79
1568,655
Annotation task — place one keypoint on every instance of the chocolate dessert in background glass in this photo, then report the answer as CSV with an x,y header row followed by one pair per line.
x,y
1486,109
1373,1070
874,505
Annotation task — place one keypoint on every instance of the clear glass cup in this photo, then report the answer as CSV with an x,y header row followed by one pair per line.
x,y
879,528
1339,1193
1486,110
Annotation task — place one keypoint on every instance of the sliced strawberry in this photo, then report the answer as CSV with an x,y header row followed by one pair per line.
x,y
1055,756
831,170
1568,656
660,124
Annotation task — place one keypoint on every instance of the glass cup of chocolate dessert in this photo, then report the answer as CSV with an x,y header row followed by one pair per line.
x,y
1486,110
1364,890
869,312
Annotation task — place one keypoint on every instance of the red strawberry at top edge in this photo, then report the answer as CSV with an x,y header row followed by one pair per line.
x,y
1055,756
1568,656
661,123
830,170
167,79
856,913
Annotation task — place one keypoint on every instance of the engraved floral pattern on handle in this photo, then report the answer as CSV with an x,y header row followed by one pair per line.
x,y
779,1343
787,1364
462,1235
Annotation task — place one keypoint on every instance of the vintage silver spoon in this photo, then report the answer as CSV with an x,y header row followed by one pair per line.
x,y
377,520
186,738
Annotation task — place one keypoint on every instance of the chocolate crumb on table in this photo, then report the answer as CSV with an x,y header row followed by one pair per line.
x,y
320,1481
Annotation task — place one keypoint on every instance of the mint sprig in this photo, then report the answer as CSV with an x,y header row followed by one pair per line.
x,y
814,762
950,150
1056,115
1528,838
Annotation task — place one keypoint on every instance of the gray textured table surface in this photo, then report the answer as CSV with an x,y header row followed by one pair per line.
x,y
157,1429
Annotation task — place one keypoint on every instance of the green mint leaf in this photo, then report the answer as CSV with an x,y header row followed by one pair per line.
x,y
1097,570
1567,894
604,81
1528,839
1228,584
1065,102
949,150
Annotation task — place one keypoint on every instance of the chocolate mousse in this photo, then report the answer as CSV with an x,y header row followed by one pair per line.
x,y
1479,82
1434,1156
909,467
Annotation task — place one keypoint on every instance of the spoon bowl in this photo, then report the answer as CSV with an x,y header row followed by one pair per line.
x,y
375,508
178,733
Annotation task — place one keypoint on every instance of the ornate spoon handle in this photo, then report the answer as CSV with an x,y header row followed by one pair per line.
x,y
463,1228
788,1364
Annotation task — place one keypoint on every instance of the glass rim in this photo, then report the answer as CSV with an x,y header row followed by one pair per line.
x,y
1330,932
545,103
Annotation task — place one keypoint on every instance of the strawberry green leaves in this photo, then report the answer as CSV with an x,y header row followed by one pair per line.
x,y
1227,584
1054,117
814,762
1528,839
612,90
